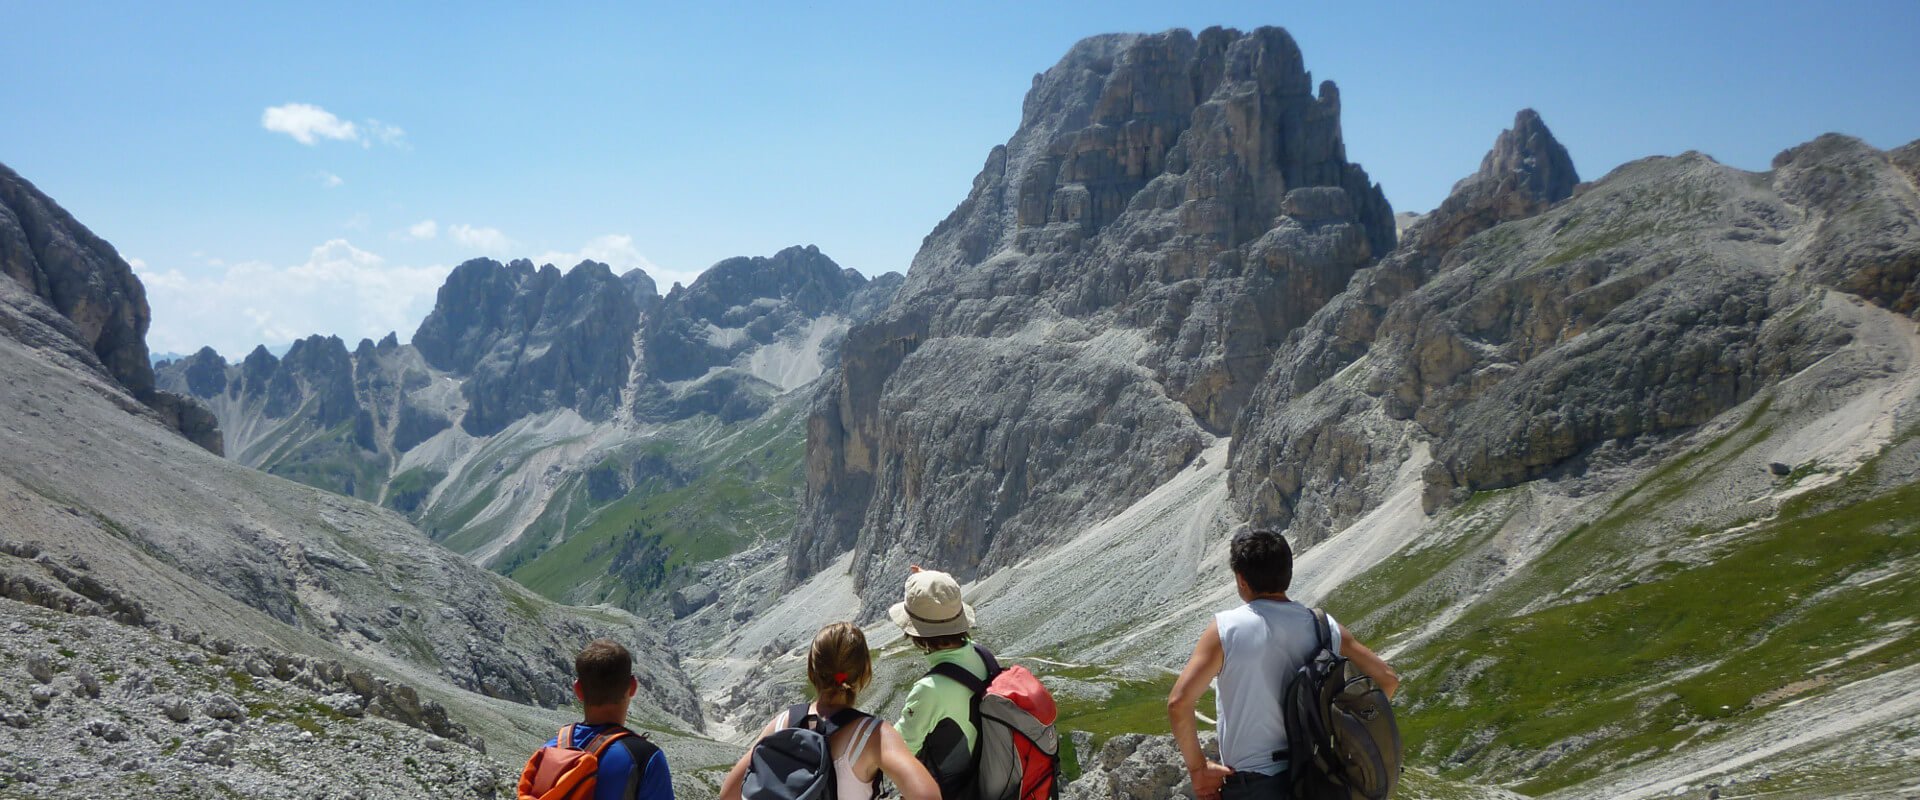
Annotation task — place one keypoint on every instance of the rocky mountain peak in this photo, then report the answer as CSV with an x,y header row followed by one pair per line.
x,y
746,302
1183,201
1525,173
1529,157
79,275
205,371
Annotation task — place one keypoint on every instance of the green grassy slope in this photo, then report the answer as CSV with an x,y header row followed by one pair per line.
x,y
720,489
1553,677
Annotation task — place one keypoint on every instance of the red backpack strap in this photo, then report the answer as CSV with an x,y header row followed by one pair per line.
x,y
564,739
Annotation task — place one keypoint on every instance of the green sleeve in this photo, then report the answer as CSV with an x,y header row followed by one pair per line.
x,y
918,717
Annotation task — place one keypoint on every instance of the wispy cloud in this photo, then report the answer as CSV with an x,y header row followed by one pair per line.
x,y
331,181
389,135
423,230
484,240
308,124
340,289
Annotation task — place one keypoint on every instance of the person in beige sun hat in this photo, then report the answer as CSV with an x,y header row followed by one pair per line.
x,y
933,608
937,721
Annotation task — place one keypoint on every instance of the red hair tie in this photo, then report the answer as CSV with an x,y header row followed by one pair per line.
x,y
839,677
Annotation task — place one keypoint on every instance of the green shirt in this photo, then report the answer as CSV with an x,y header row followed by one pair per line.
x,y
937,697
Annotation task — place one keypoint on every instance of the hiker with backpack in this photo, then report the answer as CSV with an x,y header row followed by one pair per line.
x,y
599,758
985,733
829,750
1295,721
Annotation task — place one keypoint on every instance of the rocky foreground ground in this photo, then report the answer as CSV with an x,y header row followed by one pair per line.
x,y
89,706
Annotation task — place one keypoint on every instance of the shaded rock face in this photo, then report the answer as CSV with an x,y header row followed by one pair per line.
x,y
743,303
528,340
1104,300
316,369
80,275
1649,303
54,257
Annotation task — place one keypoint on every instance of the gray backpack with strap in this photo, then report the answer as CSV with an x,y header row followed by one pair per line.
x,y
1342,742
796,762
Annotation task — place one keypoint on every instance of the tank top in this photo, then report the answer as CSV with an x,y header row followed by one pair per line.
x,y
1263,642
848,785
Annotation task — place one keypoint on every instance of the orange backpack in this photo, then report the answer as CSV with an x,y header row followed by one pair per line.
x,y
562,771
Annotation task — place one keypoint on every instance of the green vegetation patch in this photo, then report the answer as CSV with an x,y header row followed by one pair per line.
x,y
696,506
1779,613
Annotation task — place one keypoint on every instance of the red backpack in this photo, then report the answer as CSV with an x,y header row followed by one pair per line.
x,y
564,771
1018,752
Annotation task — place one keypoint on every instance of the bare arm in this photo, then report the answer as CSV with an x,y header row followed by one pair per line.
x,y
736,778
906,772
1201,669
1370,664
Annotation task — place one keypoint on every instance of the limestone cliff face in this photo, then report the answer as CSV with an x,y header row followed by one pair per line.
x,y
80,275
528,340
1515,338
1103,302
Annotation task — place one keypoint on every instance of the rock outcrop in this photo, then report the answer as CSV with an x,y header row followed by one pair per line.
x,y
1100,306
528,340
55,258
1518,338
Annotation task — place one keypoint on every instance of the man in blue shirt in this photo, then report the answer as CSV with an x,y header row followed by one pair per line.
x,y
631,768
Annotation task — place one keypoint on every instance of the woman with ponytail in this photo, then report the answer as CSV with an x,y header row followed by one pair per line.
x,y
839,666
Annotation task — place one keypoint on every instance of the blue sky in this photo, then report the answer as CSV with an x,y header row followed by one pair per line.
x,y
671,137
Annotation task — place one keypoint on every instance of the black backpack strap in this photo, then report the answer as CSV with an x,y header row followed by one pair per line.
x,y
962,676
993,664
642,752
797,715
847,716
1322,630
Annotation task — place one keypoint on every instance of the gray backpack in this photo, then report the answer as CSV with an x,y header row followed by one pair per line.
x,y
795,762
1342,741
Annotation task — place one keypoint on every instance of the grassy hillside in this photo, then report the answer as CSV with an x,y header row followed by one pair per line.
x,y
706,491
1625,641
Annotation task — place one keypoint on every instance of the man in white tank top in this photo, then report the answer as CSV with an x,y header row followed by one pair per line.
x,y
1254,650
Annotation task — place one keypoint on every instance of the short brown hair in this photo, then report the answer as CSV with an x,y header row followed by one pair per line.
x,y
933,644
839,665
604,669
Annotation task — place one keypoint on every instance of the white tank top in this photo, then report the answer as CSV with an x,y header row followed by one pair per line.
x,y
848,785
1264,642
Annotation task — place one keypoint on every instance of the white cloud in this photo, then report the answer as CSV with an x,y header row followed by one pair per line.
x,y
331,181
614,249
308,124
485,240
340,290
617,250
389,135
423,230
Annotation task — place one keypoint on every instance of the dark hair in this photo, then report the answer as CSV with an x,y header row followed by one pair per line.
x,y
1263,560
934,643
604,669
839,665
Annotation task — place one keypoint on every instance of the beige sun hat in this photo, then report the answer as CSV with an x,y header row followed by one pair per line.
x,y
932,607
